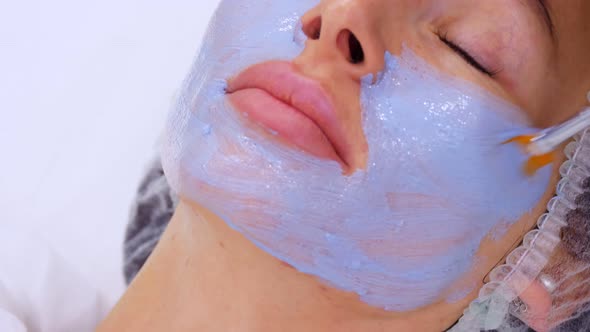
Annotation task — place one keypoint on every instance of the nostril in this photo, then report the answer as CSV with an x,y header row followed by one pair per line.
x,y
313,29
357,55
350,47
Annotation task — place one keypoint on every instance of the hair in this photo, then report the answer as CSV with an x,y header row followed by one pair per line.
x,y
576,235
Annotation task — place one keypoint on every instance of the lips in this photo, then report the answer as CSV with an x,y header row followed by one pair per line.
x,y
294,106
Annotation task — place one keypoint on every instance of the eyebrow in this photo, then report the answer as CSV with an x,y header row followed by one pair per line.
x,y
542,11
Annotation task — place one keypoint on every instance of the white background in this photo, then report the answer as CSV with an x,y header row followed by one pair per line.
x,y
84,90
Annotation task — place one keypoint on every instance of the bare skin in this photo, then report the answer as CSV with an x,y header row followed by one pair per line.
x,y
204,276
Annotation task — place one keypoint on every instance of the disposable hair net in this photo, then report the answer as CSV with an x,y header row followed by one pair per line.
x,y
555,256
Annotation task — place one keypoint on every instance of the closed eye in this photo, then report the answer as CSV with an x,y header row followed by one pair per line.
x,y
467,57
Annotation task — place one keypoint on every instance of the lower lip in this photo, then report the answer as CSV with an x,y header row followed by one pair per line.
x,y
289,123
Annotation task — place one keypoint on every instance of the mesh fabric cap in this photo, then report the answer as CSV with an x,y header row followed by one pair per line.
x,y
555,257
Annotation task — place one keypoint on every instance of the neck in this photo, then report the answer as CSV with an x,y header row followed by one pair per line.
x,y
204,276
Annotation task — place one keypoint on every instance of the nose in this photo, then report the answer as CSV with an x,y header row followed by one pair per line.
x,y
343,34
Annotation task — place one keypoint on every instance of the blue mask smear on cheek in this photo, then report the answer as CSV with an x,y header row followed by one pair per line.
x,y
400,234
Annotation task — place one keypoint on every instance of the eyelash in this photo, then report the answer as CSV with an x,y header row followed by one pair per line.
x,y
466,56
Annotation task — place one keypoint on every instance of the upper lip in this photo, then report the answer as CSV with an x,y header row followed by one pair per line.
x,y
282,81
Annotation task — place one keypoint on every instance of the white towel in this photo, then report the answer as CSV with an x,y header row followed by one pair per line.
x,y
39,290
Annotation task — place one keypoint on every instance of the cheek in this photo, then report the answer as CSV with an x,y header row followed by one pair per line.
x,y
493,249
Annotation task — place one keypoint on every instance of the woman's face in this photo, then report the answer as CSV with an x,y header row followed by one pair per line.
x,y
412,99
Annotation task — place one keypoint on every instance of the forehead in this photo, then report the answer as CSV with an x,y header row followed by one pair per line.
x,y
570,70
572,24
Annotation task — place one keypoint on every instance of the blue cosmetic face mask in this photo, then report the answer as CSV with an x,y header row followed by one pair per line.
x,y
401,233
